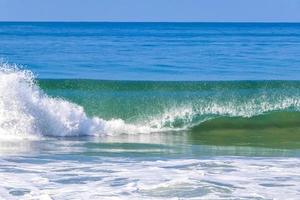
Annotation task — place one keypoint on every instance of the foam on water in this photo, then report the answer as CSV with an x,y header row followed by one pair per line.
x,y
26,111
120,178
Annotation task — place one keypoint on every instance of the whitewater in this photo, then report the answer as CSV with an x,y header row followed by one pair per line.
x,y
26,111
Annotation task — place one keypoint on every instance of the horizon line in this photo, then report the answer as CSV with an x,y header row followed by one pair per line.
x,y
232,22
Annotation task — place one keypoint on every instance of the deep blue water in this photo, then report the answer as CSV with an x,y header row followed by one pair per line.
x,y
154,51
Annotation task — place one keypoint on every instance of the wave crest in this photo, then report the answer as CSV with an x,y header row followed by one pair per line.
x,y
26,111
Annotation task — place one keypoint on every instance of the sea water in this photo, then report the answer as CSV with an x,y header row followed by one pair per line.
x,y
149,111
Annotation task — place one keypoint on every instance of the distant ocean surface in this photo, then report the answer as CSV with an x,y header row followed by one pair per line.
x,y
155,51
149,110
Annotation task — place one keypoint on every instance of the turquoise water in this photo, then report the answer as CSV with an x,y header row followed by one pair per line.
x,y
149,111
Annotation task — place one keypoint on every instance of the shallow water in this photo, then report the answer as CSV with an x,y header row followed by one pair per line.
x,y
156,166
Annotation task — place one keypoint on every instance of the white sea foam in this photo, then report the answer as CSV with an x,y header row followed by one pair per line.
x,y
121,178
26,111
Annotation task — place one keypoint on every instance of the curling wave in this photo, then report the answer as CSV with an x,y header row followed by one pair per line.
x,y
128,107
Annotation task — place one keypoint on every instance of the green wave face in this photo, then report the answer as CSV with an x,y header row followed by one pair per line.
x,y
182,105
272,130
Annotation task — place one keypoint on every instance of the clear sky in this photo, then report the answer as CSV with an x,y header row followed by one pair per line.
x,y
151,10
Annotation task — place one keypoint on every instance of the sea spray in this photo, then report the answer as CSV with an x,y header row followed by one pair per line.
x,y
26,111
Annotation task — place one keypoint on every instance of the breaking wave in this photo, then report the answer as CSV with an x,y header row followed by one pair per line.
x,y
27,111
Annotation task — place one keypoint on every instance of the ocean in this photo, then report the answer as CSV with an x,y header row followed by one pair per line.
x,y
149,110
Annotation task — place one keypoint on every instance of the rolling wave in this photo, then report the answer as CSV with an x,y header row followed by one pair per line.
x,y
31,108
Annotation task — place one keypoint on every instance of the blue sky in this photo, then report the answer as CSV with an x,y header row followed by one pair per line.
x,y
151,10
